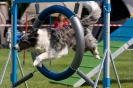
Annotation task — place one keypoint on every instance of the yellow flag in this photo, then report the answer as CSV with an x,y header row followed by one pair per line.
x,y
131,15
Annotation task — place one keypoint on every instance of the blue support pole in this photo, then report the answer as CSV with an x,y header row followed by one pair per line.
x,y
106,68
104,42
14,29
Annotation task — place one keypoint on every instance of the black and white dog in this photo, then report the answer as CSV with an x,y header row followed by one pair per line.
x,y
54,43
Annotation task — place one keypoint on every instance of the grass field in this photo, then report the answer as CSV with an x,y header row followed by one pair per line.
x,y
122,62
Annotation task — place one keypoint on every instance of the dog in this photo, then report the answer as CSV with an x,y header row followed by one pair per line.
x,y
56,42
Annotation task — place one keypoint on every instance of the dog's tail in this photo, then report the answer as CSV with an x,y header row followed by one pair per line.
x,y
95,13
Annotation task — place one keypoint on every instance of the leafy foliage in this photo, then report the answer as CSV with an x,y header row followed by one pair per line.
x,y
21,7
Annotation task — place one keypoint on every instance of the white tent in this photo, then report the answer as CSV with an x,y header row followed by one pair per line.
x,y
32,12
129,4
3,17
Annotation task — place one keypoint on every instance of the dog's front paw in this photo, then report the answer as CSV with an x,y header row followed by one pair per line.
x,y
37,62
97,56
40,64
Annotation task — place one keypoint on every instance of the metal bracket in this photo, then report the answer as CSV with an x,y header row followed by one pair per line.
x,y
107,8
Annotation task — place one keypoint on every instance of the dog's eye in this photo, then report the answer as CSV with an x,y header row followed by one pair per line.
x,y
32,39
25,42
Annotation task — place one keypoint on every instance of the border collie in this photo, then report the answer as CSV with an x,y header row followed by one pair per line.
x,y
54,43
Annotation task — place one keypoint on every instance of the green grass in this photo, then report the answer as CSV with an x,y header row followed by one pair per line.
x,y
39,81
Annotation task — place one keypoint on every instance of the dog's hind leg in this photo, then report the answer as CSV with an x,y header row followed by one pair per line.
x,y
91,45
96,53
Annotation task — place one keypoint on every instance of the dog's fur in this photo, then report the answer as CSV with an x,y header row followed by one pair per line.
x,y
54,43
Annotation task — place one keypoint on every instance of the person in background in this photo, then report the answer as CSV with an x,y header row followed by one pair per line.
x,y
61,22
19,29
7,32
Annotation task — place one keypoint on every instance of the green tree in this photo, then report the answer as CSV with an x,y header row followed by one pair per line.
x,y
21,7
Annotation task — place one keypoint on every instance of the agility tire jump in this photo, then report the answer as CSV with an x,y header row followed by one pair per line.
x,y
79,39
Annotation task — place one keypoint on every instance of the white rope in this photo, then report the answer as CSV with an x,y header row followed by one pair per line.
x,y
129,59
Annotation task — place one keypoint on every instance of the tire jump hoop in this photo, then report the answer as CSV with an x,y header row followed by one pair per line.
x,y
79,47
79,39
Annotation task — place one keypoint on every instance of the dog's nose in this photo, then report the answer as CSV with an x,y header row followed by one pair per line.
x,y
14,47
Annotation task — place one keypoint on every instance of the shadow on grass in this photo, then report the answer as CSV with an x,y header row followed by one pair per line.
x,y
99,83
112,81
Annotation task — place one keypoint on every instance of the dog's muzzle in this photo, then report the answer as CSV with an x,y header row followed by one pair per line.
x,y
16,47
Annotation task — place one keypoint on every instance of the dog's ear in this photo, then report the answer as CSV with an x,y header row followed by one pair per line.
x,y
33,33
28,42
32,41
31,30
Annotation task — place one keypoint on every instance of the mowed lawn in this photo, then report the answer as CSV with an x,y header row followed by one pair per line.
x,y
124,65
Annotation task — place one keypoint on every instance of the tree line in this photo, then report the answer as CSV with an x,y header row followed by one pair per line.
x,y
21,7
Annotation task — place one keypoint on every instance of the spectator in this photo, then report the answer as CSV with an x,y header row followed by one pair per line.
x,y
7,33
61,22
20,29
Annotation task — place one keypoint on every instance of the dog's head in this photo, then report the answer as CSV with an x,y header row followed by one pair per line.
x,y
27,41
